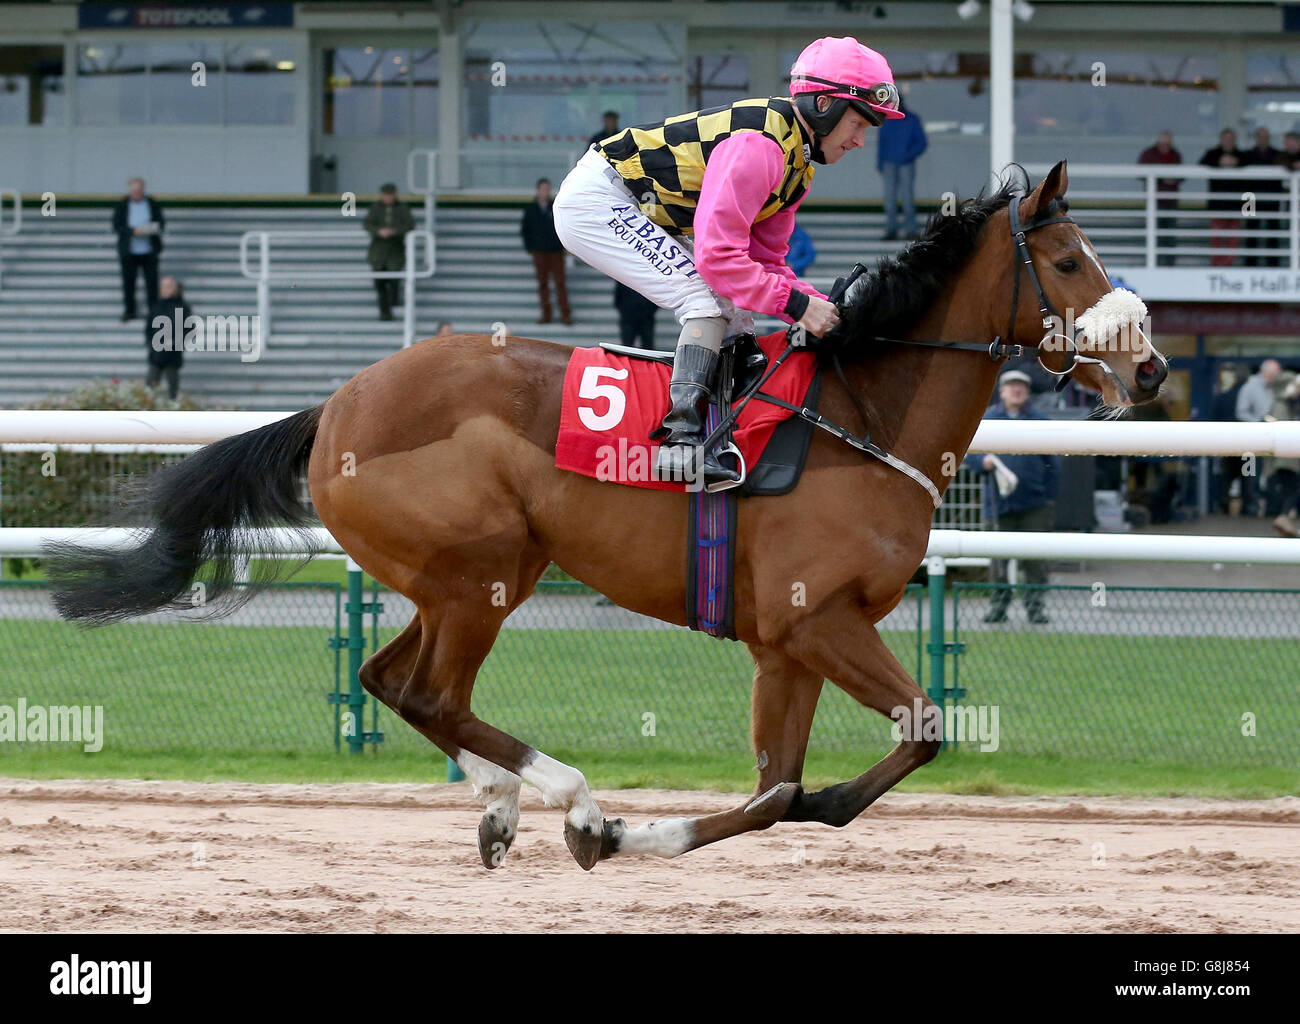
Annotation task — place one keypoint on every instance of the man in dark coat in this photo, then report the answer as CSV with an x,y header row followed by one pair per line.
x,y
164,336
543,244
1266,206
1029,503
138,222
636,316
388,222
1226,211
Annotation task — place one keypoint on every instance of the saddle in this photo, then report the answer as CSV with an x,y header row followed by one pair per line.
x,y
741,364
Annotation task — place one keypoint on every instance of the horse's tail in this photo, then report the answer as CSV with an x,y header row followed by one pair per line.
x,y
203,512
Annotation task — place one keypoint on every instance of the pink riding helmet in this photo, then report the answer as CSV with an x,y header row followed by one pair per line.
x,y
847,71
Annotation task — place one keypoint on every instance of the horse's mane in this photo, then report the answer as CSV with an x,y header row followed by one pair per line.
x,y
888,299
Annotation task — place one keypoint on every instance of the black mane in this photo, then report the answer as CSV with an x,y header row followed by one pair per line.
x,y
887,301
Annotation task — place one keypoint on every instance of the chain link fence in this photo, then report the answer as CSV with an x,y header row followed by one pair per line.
x,y
1204,677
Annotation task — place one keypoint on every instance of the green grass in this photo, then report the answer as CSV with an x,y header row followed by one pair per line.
x,y
1077,713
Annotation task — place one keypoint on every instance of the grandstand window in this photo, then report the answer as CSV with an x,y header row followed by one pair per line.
x,y
716,80
259,81
550,81
175,95
187,83
112,84
31,85
1273,91
377,90
1107,93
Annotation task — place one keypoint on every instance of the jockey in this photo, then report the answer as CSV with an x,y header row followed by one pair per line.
x,y
695,213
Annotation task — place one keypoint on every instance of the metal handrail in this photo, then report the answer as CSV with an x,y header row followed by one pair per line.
x,y
1150,196
6,229
265,277
430,157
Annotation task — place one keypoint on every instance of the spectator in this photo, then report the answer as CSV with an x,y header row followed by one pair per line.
x,y
900,143
1019,494
802,252
1289,157
1223,229
609,127
388,222
1288,523
636,316
166,324
1255,405
444,329
1223,409
1266,207
1163,152
543,244
139,222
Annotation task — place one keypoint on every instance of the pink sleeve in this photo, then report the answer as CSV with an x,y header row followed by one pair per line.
x,y
739,260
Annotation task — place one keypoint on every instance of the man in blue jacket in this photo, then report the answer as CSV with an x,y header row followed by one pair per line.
x,y
1028,505
898,144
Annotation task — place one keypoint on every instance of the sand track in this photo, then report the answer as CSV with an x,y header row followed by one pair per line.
x,y
181,856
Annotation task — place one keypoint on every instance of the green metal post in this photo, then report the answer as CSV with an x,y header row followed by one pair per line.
x,y
936,573
356,645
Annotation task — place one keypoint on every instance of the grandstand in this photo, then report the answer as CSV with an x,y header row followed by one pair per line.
x,y
61,296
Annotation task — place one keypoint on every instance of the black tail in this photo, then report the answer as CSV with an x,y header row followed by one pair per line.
x,y
204,510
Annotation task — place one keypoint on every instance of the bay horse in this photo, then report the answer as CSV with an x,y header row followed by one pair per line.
x,y
434,469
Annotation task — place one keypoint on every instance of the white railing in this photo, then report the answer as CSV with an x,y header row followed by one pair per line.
x,y
265,275
1132,233
11,228
946,547
425,186
1011,437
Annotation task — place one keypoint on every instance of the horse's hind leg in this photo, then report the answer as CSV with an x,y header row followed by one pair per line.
x,y
784,700
385,675
458,632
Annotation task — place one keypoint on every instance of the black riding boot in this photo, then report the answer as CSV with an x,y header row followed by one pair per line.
x,y
683,428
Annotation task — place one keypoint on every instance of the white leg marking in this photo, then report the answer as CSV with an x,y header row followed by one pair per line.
x,y
494,787
565,788
670,837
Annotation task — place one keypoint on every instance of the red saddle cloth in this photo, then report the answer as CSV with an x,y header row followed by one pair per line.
x,y
612,403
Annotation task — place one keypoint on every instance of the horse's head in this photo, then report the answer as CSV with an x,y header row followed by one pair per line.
x,y
1091,329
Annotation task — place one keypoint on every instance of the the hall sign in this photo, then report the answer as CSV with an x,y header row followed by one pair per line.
x,y
1213,284
200,15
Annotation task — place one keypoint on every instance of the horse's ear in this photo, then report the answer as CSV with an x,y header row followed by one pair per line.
x,y
1050,188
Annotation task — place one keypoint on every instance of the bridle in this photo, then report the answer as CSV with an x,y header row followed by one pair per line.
x,y
1001,348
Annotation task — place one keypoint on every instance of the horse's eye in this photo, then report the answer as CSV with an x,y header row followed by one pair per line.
x,y
1067,266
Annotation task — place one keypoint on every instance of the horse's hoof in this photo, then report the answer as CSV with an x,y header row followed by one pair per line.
x,y
772,805
584,843
494,840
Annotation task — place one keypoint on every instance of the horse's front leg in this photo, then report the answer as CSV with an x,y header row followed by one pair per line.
x,y
784,700
840,643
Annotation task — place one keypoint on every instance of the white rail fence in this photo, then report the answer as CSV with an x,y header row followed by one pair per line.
x,y
1011,437
1073,437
